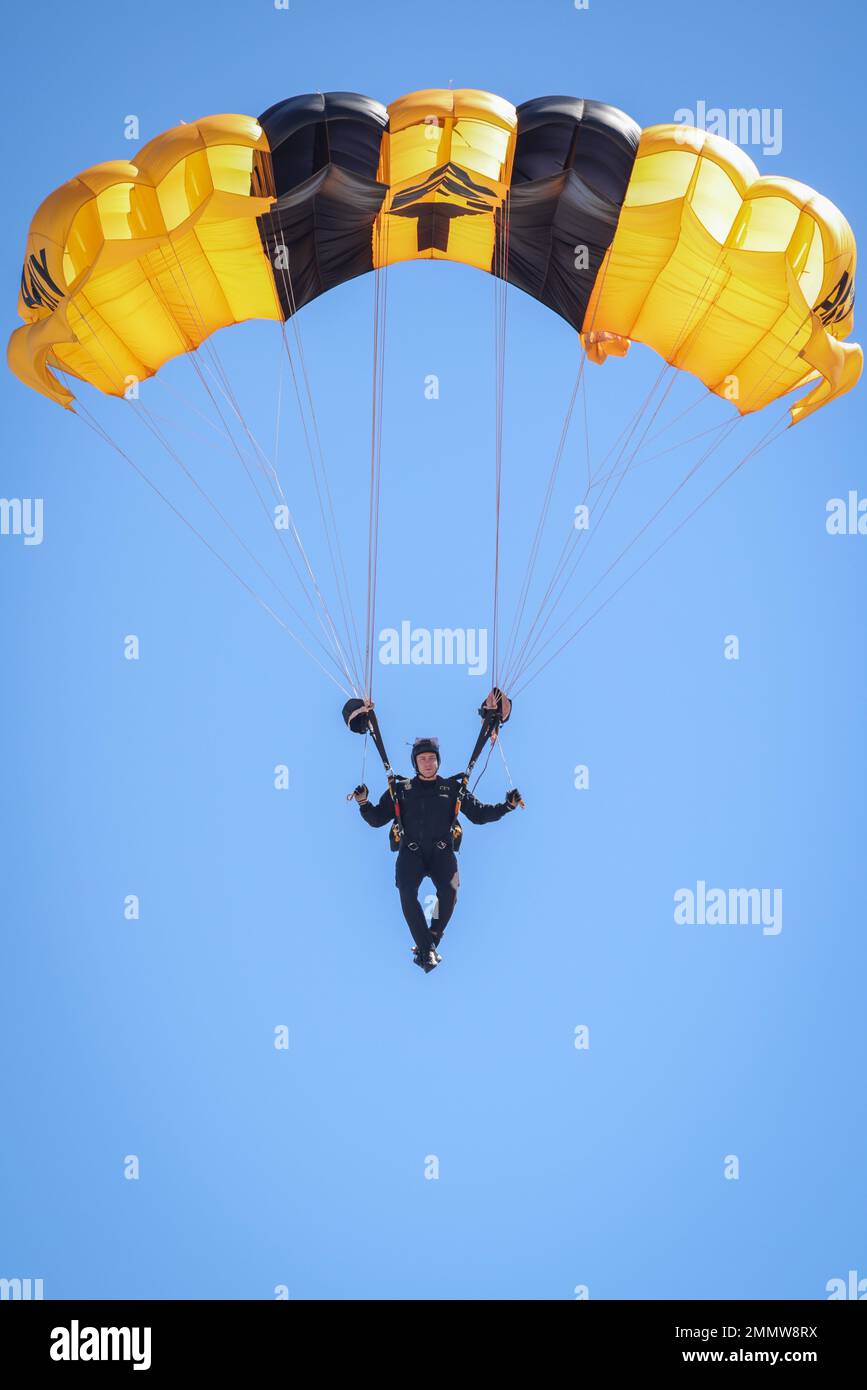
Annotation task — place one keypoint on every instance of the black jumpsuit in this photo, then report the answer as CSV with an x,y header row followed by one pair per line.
x,y
427,811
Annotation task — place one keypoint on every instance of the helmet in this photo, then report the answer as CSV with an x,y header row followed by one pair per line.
x,y
425,745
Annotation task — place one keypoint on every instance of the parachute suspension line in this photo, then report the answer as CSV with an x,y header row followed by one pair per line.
x,y
484,768
775,432
146,416
205,361
189,404
495,743
376,511
322,614
672,448
83,414
380,308
343,588
364,756
324,618
366,686
767,439
277,413
180,426
706,393
543,516
501,306
573,552
209,363
332,532
350,628
555,469
730,426
586,433
570,545
598,477
499,744
532,653
186,345
209,354
620,438
573,546
202,359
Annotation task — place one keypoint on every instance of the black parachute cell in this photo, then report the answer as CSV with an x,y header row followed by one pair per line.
x,y
595,141
573,162
307,133
325,151
326,228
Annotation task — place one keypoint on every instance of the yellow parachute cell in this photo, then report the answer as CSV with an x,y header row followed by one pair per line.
x,y
129,265
447,163
745,281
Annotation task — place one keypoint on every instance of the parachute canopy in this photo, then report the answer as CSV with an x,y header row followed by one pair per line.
x,y
667,237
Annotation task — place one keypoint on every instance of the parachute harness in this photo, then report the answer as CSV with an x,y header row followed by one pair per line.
x,y
360,718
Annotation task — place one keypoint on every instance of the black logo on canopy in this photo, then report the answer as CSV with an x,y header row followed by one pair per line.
x,y
38,290
464,199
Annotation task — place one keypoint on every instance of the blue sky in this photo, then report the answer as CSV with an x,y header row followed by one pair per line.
x,y
558,1167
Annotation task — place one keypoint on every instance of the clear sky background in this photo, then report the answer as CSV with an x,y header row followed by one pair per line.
x,y
558,1167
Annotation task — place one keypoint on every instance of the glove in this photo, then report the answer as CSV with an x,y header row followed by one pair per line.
x,y
360,794
514,798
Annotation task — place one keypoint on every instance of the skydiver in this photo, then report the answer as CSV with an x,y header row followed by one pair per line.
x,y
429,835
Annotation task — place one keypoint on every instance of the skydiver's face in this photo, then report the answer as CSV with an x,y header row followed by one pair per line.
x,y
427,766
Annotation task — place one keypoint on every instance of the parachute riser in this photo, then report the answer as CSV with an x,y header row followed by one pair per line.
x,y
360,717
492,720
395,833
